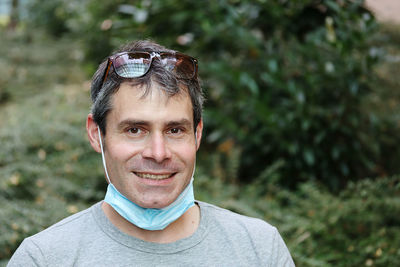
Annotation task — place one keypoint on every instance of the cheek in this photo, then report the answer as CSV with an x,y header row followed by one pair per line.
x,y
185,152
123,151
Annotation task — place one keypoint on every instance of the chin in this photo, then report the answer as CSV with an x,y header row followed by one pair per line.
x,y
157,203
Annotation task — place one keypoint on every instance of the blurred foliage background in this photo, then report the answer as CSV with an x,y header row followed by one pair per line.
x,y
301,117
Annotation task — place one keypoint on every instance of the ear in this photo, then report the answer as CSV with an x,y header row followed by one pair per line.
x,y
199,132
93,134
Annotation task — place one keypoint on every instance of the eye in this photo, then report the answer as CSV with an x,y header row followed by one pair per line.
x,y
175,130
134,131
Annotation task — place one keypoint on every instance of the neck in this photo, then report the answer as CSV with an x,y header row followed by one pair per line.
x,y
183,227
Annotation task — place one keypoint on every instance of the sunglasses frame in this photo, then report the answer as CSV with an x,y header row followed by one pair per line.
x,y
152,55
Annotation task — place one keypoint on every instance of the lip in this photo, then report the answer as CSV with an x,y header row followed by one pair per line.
x,y
155,182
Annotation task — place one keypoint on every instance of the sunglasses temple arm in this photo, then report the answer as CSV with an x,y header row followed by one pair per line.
x,y
106,72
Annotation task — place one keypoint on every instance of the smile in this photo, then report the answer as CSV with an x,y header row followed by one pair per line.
x,y
153,176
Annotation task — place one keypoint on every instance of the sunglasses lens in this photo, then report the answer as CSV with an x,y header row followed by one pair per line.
x,y
132,65
182,66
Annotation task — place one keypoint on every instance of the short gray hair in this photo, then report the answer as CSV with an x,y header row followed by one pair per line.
x,y
101,93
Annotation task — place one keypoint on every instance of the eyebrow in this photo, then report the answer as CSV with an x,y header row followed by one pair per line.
x,y
129,122
183,122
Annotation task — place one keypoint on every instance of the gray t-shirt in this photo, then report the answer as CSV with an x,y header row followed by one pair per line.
x,y
88,238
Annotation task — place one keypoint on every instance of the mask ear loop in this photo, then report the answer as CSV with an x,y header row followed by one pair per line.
x,y
103,157
195,139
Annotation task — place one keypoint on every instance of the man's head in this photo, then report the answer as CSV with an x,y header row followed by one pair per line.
x,y
151,129
103,90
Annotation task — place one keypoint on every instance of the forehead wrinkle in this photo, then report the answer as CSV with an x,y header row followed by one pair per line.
x,y
138,95
149,85
158,88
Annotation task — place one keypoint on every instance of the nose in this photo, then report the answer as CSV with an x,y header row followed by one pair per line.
x,y
156,148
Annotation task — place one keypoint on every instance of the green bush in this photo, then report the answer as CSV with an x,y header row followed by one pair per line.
x,y
358,228
51,15
285,81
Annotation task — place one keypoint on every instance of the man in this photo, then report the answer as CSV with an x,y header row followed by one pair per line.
x,y
146,122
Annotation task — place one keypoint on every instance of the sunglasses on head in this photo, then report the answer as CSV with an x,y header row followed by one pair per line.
x,y
137,64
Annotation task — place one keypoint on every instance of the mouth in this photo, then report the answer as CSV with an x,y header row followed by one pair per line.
x,y
153,176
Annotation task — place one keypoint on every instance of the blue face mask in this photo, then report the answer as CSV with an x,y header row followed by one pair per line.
x,y
149,219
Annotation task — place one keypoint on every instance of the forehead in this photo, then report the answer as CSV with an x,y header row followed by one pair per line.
x,y
131,102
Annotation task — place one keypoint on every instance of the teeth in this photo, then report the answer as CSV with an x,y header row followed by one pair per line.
x,y
152,176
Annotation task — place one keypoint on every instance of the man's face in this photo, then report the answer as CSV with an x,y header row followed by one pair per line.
x,y
150,145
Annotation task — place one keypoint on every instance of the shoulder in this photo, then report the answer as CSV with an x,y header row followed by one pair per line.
x,y
247,234
55,239
230,219
71,225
